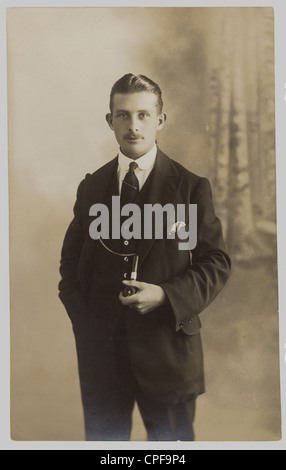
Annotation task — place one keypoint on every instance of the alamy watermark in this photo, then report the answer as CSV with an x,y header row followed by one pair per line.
x,y
156,221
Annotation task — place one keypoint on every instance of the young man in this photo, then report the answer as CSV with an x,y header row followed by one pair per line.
x,y
145,347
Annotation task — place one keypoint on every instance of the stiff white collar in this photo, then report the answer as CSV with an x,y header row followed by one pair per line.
x,y
144,163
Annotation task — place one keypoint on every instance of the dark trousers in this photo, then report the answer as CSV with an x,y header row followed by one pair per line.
x,y
109,391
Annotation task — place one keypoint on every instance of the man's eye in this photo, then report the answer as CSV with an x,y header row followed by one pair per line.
x,y
122,116
143,115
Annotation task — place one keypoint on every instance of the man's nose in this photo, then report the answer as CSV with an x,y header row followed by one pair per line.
x,y
133,124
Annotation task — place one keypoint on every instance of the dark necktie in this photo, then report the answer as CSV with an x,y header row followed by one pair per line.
x,y
130,185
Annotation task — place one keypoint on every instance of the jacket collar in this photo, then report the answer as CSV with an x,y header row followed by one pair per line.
x,y
165,179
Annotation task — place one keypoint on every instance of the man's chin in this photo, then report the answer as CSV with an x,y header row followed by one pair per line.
x,y
133,150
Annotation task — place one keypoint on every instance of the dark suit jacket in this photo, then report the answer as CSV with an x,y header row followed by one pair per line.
x,y
164,345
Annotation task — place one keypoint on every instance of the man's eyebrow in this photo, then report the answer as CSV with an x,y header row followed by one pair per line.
x,y
121,111
128,112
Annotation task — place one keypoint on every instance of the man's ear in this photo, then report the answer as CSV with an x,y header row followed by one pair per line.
x,y
161,121
109,120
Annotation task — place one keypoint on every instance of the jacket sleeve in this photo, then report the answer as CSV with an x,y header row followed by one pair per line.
x,y
192,291
69,289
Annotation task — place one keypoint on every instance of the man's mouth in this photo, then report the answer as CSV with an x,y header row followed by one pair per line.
x,y
131,138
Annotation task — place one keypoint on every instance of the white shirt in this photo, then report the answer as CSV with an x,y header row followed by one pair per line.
x,y
145,166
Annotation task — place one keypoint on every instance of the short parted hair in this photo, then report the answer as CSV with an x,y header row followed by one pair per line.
x,y
130,83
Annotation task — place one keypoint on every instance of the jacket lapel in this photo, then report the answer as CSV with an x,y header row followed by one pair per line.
x,y
104,184
99,188
164,186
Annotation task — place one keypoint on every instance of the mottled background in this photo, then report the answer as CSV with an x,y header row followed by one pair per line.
x,y
215,67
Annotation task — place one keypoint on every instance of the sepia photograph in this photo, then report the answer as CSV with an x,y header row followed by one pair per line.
x,y
143,256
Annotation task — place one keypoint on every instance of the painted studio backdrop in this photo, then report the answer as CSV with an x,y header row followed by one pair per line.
x,y
216,70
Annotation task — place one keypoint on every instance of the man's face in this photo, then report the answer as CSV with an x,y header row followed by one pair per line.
x,y
135,122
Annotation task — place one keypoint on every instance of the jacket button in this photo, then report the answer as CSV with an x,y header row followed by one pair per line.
x,y
126,242
126,259
125,275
